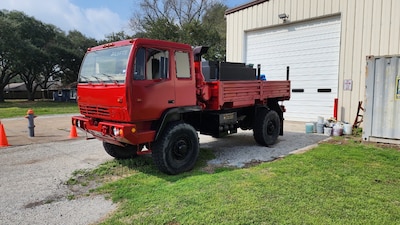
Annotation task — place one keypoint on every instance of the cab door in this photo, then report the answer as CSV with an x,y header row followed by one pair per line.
x,y
152,87
185,86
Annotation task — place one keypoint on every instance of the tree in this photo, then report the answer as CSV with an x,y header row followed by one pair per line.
x,y
186,21
214,22
37,53
119,36
75,49
35,63
9,43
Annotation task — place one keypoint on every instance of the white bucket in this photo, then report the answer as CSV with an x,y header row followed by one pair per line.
x,y
320,119
328,131
347,129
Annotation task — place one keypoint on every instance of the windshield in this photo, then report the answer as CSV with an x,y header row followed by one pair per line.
x,y
105,66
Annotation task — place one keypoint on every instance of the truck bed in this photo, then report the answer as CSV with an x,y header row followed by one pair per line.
x,y
236,94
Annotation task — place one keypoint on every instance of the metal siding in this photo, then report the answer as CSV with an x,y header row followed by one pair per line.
x,y
328,7
385,27
347,65
300,11
376,28
293,10
276,11
395,28
335,5
372,25
270,13
382,108
358,63
313,10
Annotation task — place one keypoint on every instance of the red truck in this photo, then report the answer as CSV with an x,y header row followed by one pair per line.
x,y
150,96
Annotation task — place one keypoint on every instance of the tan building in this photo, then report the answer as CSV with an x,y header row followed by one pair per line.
x,y
325,44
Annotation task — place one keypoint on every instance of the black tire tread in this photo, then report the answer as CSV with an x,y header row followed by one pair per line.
x,y
120,152
260,131
160,147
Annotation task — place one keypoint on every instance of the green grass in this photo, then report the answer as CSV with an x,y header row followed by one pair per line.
x,y
19,108
347,183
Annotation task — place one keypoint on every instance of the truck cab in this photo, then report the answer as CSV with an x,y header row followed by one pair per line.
x,y
133,82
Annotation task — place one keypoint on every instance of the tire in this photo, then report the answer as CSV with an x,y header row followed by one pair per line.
x,y
266,127
120,152
177,149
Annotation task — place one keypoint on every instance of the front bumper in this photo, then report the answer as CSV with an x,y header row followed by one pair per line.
x,y
114,132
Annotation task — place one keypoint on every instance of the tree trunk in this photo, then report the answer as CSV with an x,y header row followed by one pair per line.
x,y
31,96
1,95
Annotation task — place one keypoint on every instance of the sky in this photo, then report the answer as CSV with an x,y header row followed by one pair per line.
x,y
93,18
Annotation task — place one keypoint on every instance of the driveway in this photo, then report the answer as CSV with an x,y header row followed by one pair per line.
x,y
32,185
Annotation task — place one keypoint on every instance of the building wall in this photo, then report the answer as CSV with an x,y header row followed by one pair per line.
x,y
369,27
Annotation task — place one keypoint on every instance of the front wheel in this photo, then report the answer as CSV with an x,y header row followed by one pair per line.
x,y
120,152
177,149
266,127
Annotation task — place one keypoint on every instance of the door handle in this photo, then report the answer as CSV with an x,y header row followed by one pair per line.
x,y
171,101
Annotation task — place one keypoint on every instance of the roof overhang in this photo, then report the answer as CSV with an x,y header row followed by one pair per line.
x,y
244,6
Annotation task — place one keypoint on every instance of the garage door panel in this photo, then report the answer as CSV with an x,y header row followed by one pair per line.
x,y
311,49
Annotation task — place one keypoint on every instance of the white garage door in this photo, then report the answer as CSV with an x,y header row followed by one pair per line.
x,y
311,50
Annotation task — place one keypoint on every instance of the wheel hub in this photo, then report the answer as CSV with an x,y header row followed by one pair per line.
x,y
270,127
180,149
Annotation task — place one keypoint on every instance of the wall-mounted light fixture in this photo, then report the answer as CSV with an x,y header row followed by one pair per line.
x,y
284,17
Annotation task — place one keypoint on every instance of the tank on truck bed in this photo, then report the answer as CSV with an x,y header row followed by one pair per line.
x,y
145,96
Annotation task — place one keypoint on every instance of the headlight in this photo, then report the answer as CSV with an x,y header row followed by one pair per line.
x,y
117,131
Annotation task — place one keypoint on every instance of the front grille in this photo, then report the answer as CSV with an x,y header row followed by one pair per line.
x,y
94,111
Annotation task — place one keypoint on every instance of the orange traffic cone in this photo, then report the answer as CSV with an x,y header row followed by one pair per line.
x,y
3,137
72,133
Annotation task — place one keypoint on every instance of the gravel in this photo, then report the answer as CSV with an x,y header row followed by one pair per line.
x,y
32,177
240,149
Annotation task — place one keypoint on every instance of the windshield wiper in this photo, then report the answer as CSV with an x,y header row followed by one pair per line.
x,y
87,79
98,79
111,78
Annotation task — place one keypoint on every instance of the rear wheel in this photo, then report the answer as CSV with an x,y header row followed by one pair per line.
x,y
266,127
177,149
120,152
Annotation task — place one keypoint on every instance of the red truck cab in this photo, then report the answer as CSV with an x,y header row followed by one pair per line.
x,y
150,96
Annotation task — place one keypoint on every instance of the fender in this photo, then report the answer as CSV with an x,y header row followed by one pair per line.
x,y
172,114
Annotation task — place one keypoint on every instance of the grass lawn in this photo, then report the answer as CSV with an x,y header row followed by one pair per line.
x,y
18,108
342,182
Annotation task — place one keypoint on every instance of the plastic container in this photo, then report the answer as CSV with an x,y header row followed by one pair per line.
x,y
315,127
347,129
337,131
320,128
320,119
309,128
328,131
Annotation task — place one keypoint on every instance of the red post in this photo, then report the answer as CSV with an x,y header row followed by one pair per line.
x,y
335,108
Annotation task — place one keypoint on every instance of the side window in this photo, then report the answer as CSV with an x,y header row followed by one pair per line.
x,y
182,64
151,64
140,65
